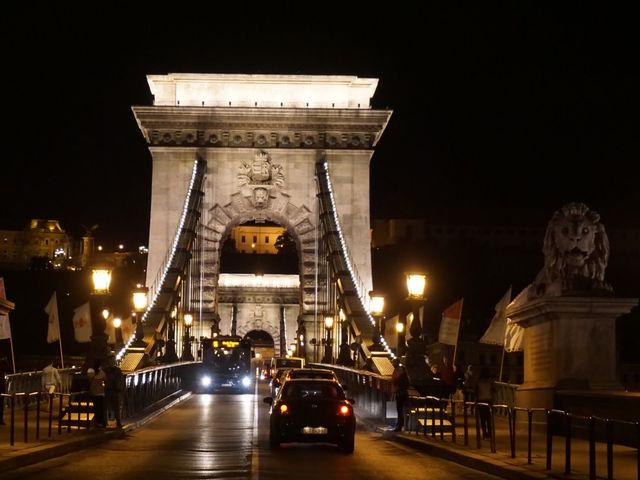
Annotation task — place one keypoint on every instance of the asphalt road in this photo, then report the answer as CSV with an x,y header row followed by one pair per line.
x,y
226,436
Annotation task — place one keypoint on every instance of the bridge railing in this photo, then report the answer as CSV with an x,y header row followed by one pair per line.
x,y
31,411
530,433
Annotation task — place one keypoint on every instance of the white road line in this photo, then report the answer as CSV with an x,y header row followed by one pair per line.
x,y
255,454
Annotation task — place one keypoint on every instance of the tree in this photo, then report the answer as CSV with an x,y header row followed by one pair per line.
x,y
286,245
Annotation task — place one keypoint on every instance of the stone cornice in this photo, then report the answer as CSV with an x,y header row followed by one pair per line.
x,y
261,127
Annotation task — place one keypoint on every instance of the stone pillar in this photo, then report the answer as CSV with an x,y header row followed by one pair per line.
x,y
234,319
569,344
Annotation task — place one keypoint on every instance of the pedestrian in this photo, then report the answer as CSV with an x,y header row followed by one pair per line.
x,y
114,387
4,371
400,389
96,378
469,384
484,394
51,380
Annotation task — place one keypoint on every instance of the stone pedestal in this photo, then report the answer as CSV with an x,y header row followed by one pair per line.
x,y
569,343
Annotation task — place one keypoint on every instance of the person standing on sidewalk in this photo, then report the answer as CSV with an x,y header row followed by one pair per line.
x,y
4,371
96,393
400,388
484,394
114,386
51,380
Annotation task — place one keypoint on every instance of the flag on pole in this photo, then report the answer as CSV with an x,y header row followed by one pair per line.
x,y
513,337
5,327
514,333
53,331
3,293
495,333
82,323
450,324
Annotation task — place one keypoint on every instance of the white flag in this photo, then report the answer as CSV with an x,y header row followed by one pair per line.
x,y
513,337
53,331
495,333
82,323
514,333
450,324
5,327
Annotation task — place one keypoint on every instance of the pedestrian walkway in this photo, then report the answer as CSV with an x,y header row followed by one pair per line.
x,y
624,465
48,443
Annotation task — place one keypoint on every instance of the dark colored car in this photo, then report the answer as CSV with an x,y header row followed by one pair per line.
x,y
278,378
312,410
312,373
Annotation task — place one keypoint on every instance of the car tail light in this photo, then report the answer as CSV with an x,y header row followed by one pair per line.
x,y
344,410
284,409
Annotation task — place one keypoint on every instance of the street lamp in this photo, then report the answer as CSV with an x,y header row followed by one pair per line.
x,y
400,332
328,325
117,324
344,354
170,355
376,309
187,356
140,299
415,359
101,280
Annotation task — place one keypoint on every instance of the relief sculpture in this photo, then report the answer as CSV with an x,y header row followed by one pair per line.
x,y
260,179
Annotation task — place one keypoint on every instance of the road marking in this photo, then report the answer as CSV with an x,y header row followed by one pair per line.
x,y
255,454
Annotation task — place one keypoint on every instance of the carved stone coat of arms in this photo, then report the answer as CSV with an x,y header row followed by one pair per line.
x,y
260,179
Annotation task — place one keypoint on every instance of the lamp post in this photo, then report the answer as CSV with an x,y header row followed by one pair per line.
x,y
344,355
139,299
170,355
117,324
328,325
187,355
101,279
415,359
376,309
400,331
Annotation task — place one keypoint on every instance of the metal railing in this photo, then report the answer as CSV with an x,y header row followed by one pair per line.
x,y
442,418
32,410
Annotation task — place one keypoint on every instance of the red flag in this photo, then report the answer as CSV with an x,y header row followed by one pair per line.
x,y
450,324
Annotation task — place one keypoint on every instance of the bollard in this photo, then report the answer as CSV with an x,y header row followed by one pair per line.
x,y
466,424
609,428
549,439
477,412
592,448
511,416
529,426
567,445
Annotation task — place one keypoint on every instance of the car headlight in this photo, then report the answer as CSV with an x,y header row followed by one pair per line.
x,y
205,381
246,381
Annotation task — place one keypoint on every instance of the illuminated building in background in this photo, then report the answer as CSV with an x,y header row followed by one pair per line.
x,y
256,238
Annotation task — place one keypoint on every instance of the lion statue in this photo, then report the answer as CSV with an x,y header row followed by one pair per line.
x,y
576,253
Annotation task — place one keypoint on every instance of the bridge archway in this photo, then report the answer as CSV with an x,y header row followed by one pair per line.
x,y
261,137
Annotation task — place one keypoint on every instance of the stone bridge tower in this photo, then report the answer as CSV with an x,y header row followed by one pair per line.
x,y
261,136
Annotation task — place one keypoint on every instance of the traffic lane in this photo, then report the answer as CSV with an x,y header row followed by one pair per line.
x,y
374,458
206,436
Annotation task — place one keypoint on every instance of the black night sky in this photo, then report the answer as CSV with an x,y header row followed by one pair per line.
x,y
512,107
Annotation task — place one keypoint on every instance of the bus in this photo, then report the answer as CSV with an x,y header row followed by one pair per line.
x,y
226,364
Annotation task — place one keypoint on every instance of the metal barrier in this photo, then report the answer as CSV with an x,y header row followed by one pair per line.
x,y
371,393
72,411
